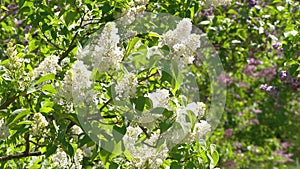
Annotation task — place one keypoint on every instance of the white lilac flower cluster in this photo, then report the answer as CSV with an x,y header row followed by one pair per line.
x,y
202,128
104,52
127,86
88,150
4,130
187,133
143,154
198,108
76,85
47,66
62,161
39,126
15,61
182,42
76,130
136,8
159,98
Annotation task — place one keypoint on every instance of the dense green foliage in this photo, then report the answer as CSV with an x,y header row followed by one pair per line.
x,y
256,41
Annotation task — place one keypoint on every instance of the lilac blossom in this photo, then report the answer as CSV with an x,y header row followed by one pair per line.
x,y
237,144
268,73
285,155
252,3
254,121
285,145
263,87
253,61
285,76
276,45
228,132
27,28
272,90
224,79
295,84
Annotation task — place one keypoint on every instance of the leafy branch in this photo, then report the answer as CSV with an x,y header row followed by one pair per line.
x,y
26,153
72,45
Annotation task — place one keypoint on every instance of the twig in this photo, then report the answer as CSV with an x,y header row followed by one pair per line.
x,y
72,45
98,117
147,77
48,40
27,145
21,155
104,105
11,100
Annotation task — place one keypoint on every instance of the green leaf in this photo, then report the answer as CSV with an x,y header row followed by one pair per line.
x,y
131,45
46,109
51,149
49,88
232,11
68,148
215,157
47,77
18,114
113,165
36,164
175,165
119,132
70,17
106,8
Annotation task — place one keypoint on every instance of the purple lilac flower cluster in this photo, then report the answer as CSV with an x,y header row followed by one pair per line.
x,y
272,90
286,78
12,9
268,73
207,12
252,3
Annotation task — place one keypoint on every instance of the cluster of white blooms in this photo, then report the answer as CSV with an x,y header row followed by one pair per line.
x,y
198,108
62,161
184,133
127,86
141,2
148,119
144,154
60,158
76,130
182,42
67,83
4,130
136,8
39,125
104,51
88,151
159,98
201,129
47,66
78,157
77,85
15,61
